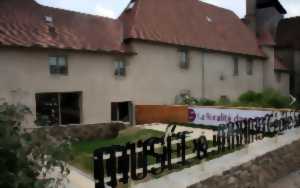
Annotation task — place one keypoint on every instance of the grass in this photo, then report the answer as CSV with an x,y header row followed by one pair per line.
x,y
83,150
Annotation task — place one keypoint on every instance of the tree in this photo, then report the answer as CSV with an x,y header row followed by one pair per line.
x,y
29,159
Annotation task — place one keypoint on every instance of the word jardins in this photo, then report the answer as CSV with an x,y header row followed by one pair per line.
x,y
127,160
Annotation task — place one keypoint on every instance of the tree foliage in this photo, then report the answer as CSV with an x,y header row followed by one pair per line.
x,y
29,159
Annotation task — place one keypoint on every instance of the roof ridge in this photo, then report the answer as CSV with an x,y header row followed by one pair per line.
x,y
74,12
215,6
132,14
135,14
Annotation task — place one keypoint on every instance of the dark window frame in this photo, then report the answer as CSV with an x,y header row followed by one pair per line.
x,y
120,68
249,66
235,66
58,118
184,62
58,69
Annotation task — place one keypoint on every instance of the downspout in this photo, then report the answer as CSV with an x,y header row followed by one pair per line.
x,y
203,74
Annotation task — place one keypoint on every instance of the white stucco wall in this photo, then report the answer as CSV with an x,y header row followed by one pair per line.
x,y
164,61
153,77
270,80
232,85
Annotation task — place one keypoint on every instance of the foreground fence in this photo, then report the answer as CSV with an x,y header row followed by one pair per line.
x,y
135,161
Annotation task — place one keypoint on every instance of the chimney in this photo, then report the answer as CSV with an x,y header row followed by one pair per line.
x,y
251,14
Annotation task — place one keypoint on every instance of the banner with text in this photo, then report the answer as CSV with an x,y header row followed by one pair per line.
x,y
217,116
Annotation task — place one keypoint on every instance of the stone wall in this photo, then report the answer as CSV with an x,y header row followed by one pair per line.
x,y
258,173
86,132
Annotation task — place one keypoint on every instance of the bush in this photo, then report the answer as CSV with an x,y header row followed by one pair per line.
x,y
27,159
206,102
200,102
272,98
224,101
250,97
269,98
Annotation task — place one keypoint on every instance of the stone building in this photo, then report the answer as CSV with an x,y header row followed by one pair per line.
x,y
74,68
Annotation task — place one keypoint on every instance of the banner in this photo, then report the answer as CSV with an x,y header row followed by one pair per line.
x,y
217,116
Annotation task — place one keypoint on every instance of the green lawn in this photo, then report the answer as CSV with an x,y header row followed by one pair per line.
x,y
83,150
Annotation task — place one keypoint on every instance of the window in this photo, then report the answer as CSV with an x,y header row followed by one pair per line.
x,y
184,59
120,68
235,66
278,77
58,65
249,66
58,108
122,111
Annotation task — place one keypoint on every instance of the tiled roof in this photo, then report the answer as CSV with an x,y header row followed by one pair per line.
x,y
266,39
288,33
22,23
189,23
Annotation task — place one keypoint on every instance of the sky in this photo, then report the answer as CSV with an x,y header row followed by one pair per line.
x,y
113,8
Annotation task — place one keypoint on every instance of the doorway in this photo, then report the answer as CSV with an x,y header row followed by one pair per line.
x,y
122,111
58,108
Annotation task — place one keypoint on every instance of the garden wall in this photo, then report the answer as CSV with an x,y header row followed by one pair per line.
x,y
161,114
258,173
86,132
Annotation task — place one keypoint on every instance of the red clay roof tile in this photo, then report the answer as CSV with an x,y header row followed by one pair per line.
x,y
266,39
22,23
189,23
185,22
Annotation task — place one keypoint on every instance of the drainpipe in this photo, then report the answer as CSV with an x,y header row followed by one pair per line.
x,y
203,74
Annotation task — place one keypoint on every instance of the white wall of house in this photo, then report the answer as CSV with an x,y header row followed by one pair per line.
x,y
166,60
217,65
270,77
153,77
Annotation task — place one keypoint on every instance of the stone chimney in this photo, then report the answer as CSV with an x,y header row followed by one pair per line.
x,y
250,18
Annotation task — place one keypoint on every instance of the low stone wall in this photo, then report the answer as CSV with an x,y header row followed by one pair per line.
x,y
83,132
258,173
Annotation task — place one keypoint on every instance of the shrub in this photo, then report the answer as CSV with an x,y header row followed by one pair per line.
x,y
27,159
272,98
224,101
200,102
268,98
250,97
206,102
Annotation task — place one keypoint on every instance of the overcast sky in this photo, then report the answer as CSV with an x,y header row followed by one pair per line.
x,y
113,8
